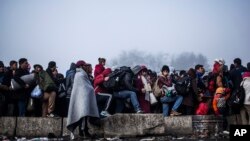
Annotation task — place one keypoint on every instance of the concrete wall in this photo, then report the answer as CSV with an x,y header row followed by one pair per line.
x,y
119,125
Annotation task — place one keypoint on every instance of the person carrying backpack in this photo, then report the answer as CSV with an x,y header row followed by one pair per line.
x,y
103,95
190,100
169,94
126,90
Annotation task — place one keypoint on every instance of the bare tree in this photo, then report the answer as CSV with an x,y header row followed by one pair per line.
x,y
182,61
136,57
186,60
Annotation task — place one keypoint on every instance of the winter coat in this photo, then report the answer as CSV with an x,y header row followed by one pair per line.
x,y
236,77
69,82
99,68
45,82
191,99
246,86
145,105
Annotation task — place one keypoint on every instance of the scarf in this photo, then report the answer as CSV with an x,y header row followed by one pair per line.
x,y
147,87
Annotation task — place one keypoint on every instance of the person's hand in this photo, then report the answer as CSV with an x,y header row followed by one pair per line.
x,y
10,88
106,78
143,90
27,86
201,94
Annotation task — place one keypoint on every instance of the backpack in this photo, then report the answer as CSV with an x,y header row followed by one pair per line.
x,y
115,78
182,86
156,89
61,90
237,98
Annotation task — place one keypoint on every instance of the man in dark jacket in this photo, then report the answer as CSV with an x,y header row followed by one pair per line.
x,y
10,94
126,90
235,75
23,93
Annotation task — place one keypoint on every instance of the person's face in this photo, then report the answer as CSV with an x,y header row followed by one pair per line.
x,y
25,65
38,69
14,66
90,69
144,72
103,63
201,70
165,73
55,72
1,68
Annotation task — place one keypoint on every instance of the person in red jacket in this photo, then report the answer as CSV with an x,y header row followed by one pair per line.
x,y
103,96
99,68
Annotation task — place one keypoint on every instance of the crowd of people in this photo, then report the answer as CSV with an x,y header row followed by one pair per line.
x,y
83,94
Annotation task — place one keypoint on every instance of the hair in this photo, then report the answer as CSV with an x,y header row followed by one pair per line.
x,y
232,66
22,60
101,60
248,66
182,72
237,61
1,64
198,66
191,72
165,68
12,62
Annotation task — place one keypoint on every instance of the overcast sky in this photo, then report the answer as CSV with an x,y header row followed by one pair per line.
x,y
66,31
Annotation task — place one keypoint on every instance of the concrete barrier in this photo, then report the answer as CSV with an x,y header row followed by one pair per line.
x,y
118,125
178,125
38,127
207,124
7,126
131,125
94,130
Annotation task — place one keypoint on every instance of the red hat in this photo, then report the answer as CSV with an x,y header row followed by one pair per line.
x,y
81,63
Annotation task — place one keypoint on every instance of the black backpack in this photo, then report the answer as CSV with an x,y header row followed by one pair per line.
x,y
182,86
238,96
115,78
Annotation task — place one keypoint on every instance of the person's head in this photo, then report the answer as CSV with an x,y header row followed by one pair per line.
x,y
82,64
102,61
165,70
1,66
55,72
60,76
23,63
237,62
182,73
13,64
232,66
37,68
248,66
89,68
199,69
217,68
144,70
52,65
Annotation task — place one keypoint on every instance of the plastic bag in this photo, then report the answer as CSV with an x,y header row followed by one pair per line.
x,y
36,92
153,99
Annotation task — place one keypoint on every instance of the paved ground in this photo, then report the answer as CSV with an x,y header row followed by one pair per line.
x,y
220,137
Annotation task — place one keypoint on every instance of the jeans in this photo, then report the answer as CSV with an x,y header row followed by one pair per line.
x,y
103,101
22,108
165,103
124,95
